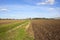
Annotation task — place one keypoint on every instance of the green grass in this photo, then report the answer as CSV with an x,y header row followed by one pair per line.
x,y
22,35
6,27
18,34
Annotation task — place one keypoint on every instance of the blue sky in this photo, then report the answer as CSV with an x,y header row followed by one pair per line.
x,y
20,9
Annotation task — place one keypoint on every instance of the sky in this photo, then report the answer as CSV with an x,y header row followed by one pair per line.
x,y
20,9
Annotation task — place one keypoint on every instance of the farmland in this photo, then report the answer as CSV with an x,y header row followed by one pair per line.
x,y
37,29
14,30
46,29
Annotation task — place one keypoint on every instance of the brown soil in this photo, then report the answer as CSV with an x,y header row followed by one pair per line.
x,y
45,29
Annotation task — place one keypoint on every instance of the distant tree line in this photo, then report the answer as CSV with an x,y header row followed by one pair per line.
x,y
24,19
42,18
8,19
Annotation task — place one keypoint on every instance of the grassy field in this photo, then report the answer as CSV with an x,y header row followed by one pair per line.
x,y
14,30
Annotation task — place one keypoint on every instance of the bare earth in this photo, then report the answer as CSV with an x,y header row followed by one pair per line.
x,y
45,29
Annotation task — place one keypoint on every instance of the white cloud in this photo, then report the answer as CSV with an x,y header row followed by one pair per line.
x,y
43,3
3,9
51,2
51,8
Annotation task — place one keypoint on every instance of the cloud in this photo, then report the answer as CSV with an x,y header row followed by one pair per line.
x,y
3,9
51,8
43,3
51,2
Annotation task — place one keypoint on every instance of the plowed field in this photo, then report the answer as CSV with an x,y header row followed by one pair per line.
x,y
46,29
